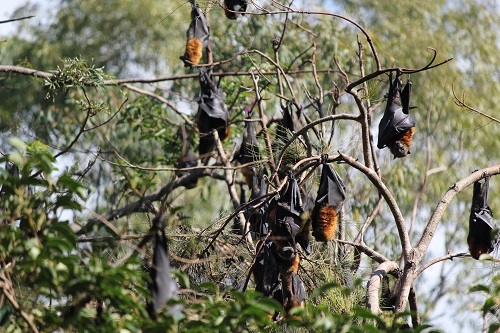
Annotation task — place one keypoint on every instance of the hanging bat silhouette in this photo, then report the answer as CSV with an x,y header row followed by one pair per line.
x,y
285,125
233,8
249,152
187,159
197,36
286,221
397,126
328,204
265,270
480,221
255,216
212,113
162,286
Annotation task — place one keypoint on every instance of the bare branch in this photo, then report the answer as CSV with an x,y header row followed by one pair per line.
x,y
389,198
17,19
373,299
402,70
461,103
449,256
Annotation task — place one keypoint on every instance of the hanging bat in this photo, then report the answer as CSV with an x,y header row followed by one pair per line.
x,y
265,270
212,113
255,216
293,289
197,36
285,125
480,221
328,204
233,8
397,126
162,286
286,221
249,152
294,292
187,159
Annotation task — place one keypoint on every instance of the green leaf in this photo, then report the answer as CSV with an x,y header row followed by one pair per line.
x,y
18,144
17,159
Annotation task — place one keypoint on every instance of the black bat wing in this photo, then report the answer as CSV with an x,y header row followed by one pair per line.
x,y
481,222
211,101
405,96
288,216
266,270
298,288
285,125
480,211
162,286
395,122
256,218
198,28
331,188
249,150
291,197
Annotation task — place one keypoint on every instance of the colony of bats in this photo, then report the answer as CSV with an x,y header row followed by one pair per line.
x,y
282,225
279,224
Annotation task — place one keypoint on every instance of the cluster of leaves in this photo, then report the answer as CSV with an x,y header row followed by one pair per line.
x,y
75,72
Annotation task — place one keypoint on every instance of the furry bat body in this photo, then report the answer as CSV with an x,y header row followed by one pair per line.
x,y
329,202
197,37
397,126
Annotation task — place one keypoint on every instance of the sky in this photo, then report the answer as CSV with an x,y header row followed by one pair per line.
x,y
8,7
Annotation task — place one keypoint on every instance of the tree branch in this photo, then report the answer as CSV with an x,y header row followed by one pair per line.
x,y
461,103
373,298
396,212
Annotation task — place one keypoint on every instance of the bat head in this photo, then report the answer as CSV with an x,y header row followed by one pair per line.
x,y
399,149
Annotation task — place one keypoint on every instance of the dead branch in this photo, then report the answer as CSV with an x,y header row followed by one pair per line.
x,y
461,103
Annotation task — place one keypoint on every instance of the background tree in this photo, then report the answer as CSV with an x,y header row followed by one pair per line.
x,y
119,140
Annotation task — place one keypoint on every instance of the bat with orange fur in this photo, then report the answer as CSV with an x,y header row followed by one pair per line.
x,y
197,37
481,224
329,201
397,126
